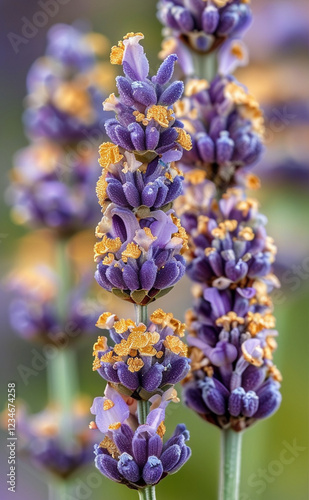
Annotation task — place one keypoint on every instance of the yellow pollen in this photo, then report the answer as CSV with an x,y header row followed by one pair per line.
x,y
132,251
202,224
159,354
100,345
195,176
149,233
181,233
108,259
184,139
246,234
237,51
135,364
110,446
275,373
253,182
121,326
108,404
139,117
114,426
219,232
109,154
96,363
92,425
161,429
229,318
160,114
230,225
101,188
253,360
116,55
175,345
194,86
101,323
107,245
220,3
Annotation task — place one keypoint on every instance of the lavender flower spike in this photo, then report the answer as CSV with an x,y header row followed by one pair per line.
x,y
140,253
145,360
203,25
136,455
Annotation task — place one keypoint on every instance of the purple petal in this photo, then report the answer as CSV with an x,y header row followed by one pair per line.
x,y
128,468
152,470
108,466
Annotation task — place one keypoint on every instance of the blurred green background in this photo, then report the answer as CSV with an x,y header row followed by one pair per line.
x,y
278,75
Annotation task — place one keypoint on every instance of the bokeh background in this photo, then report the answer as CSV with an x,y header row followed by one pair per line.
x,y
278,76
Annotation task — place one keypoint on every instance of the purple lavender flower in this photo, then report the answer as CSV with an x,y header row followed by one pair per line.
x,y
145,122
33,309
128,185
139,260
230,246
136,456
204,25
42,439
53,188
66,87
145,360
226,128
233,381
139,257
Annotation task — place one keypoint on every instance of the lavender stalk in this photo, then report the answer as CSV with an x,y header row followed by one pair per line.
x,y
233,381
230,465
139,259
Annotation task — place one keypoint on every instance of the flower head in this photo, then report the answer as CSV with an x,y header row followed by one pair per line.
x,y
145,122
226,127
203,25
136,456
146,359
41,437
233,381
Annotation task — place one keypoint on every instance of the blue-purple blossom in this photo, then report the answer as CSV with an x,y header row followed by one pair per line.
x,y
145,122
146,359
33,308
226,127
136,455
204,25
66,87
128,184
139,259
42,439
233,381
52,188
229,244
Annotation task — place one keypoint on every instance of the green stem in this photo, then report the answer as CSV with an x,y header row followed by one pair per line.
x,y
230,464
149,492
205,66
62,376
58,490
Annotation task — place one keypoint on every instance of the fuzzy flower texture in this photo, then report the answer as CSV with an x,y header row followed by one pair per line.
x,y
203,25
140,253
226,126
133,454
233,381
146,359
53,178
